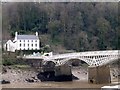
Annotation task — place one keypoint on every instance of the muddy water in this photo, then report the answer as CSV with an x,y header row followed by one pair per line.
x,y
73,84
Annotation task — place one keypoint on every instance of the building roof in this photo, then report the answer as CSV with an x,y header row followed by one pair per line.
x,y
29,37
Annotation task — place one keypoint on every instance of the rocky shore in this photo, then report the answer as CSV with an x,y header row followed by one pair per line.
x,y
14,75
17,75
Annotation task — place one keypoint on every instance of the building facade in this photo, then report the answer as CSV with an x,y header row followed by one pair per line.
x,y
23,42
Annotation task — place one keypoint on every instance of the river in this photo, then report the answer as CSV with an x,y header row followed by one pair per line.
x,y
73,84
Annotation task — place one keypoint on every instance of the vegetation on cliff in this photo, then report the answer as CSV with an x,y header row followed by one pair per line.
x,y
73,26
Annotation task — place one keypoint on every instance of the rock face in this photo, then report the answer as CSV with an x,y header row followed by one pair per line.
x,y
60,73
46,76
50,76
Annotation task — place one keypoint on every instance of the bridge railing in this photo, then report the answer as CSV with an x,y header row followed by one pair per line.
x,y
90,56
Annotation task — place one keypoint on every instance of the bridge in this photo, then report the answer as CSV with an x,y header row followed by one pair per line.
x,y
92,58
98,70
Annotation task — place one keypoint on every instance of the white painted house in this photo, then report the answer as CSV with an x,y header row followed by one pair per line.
x,y
23,42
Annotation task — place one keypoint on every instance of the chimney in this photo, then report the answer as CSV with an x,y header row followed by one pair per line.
x,y
16,33
36,33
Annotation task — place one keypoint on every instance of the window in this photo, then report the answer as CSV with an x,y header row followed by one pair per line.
x,y
24,45
36,45
36,48
24,40
28,40
32,45
20,40
20,44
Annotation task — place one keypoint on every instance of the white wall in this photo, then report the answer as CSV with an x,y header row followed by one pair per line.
x,y
10,46
22,44
27,45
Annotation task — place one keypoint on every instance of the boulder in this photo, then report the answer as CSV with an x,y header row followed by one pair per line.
x,y
35,78
30,80
5,82
4,70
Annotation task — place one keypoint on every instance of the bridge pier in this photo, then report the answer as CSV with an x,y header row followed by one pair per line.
x,y
99,74
51,72
63,73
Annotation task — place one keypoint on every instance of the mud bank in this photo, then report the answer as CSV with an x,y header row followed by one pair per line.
x,y
15,75
30,75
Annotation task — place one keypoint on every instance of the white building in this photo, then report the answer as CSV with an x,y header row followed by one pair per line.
x,y
23,42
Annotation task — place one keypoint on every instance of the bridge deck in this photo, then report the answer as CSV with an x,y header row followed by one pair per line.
x,y
90,57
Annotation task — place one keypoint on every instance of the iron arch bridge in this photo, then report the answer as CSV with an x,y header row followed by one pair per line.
x,y
92,58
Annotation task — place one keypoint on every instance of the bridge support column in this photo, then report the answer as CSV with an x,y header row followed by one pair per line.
x,y
99,75
63,73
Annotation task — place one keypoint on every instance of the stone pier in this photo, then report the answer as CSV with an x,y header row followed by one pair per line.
x,y
99,74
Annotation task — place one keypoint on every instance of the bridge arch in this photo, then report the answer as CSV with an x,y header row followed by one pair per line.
x,y
75,62
70,59
49,63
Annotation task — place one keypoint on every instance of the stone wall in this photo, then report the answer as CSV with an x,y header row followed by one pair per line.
x,y
99,75
63,70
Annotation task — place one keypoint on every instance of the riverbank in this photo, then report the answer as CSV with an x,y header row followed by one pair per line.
x,y
18,75
27,78
15,74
